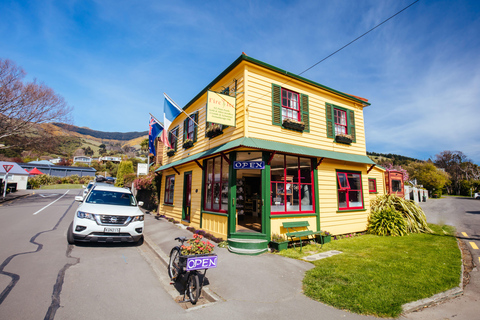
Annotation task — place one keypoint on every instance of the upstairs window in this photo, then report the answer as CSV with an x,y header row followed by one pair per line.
x,y
340,121
173,138
190,127
289,105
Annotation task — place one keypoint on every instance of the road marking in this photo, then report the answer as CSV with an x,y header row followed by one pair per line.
x,y
48,205
474,246
464,234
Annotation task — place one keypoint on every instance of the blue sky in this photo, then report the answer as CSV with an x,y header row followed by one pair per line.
x,y
112,60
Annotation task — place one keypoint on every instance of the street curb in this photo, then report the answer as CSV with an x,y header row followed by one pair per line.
x,y
13,198
439,297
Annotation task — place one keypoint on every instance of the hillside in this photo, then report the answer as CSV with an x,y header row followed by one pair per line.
x,y
83,131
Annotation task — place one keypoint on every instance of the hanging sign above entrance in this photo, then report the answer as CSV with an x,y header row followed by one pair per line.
x,y
221,108
248,164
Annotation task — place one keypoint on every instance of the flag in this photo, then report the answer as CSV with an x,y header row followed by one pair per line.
x,y
170,112
153,131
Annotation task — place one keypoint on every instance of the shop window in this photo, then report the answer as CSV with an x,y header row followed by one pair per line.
x,y
292,187
169,189
396,185
372,185
289,105
349,186
340,121
173,138
216,184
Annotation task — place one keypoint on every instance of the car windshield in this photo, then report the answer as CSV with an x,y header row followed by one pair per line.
x,y
111,197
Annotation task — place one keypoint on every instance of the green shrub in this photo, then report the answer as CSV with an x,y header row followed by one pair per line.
x,y
387,222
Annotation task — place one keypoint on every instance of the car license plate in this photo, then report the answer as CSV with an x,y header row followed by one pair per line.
x,y
112,230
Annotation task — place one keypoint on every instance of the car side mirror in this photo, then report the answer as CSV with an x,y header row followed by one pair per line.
x,y
79,198
140,203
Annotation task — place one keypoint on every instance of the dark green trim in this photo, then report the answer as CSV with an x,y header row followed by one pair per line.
x,y
272,145
317,195
232,205
248,235
215,213
353,210
202,194
266,227
185,196
168,205
276,105
274,216
331,121
304,109
272,68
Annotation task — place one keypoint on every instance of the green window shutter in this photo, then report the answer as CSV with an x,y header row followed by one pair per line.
x,y
351,124
305,113
329,115
276,105
175,132
195,129
185,129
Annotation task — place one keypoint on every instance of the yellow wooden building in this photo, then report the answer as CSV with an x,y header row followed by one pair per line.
x,y
293,150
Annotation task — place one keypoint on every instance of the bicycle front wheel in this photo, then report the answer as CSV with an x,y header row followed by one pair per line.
x,y
174,263
193,287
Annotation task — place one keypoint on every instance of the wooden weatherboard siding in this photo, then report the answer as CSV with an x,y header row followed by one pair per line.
x,y
260,82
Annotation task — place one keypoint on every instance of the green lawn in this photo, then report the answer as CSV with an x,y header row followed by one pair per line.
x,y
376,275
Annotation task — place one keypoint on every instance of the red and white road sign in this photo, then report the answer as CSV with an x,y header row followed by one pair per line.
x,y
7,167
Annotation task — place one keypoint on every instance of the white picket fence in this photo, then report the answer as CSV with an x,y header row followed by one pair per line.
x,y
416,194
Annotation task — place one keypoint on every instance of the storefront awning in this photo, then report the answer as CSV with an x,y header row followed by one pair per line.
x,y
272,146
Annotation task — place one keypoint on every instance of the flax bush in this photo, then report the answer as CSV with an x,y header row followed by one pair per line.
x,y
387,222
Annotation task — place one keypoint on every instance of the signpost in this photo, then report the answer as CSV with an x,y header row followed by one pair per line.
x,y
7,168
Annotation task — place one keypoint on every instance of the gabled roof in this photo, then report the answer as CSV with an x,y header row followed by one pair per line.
x,y
244,57
271,145
15,170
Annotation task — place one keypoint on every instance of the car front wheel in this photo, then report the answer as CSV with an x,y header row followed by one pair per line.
x,y
70,234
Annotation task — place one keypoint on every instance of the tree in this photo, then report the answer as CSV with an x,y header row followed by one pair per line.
x,y
124,168
428,175
25,106
88,151
144,145
458,166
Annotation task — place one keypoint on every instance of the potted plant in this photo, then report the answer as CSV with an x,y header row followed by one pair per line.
x,y
325,237
170,152
188,143
278,242
344,138
214,130
293,124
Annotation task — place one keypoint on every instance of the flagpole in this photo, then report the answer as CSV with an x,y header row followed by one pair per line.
x,y
160,123
176,105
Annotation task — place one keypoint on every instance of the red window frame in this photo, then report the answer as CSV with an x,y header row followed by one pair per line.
x,y
190,129
284,183
374,190
169,193
288,105
345,190
217,161
340,120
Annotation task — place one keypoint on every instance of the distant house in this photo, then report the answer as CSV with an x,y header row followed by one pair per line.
x,y
58,171
17,176
82,159
111,159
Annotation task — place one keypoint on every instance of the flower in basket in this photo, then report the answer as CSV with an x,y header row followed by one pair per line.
x,y
196,246
170,152
325,233
187,143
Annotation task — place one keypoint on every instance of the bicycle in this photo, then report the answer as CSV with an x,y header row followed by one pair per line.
x,y
190,265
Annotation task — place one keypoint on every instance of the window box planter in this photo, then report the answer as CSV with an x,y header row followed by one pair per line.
x,y
294,125
187,144
279,246
170,152
344,138
214,130
325,239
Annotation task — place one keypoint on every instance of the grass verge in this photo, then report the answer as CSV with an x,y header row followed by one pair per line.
x,y
376,275
62,186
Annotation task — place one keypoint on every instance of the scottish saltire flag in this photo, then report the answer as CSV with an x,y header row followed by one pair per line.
x,y
154,130
170,112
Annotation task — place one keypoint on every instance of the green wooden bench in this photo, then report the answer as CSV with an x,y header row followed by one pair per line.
x,y
299,229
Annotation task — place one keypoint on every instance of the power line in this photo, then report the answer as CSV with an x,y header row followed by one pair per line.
x,y
378,25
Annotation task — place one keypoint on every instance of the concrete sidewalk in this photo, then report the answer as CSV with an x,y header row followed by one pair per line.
x,y
15,195
266,286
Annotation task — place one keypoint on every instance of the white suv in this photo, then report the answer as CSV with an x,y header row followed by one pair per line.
x,y
107,214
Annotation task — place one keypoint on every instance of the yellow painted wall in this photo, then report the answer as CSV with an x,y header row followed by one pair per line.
x,y
331,219
259,113
276,224
216,225
379,175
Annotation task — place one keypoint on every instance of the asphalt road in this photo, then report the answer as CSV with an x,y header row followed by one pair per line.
x,y
42,277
